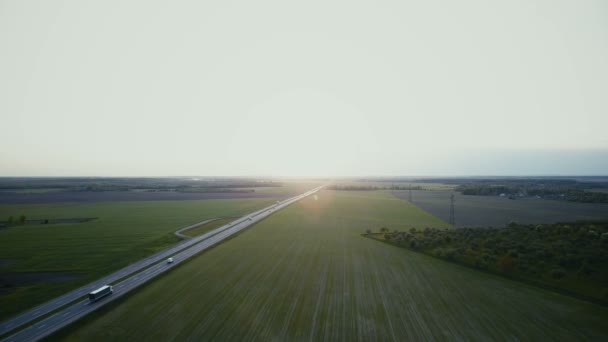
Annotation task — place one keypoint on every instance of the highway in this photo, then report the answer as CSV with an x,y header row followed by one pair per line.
x,y
137,274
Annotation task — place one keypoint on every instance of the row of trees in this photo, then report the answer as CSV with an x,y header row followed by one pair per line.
x,y
126,184
345,187
20,220
545,253
568,191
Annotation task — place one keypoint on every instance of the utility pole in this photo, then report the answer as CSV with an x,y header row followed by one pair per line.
x,y
452,217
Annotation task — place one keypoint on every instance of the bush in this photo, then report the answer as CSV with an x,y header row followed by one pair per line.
x,y
557,273
586,270
450,254
481,264
506,264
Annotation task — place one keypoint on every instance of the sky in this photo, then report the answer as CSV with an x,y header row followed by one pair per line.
x,y
303,88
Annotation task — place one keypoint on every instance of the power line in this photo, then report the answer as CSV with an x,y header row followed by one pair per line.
x,y
452,217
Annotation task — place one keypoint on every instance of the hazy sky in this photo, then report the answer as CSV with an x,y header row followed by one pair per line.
x,y
303,88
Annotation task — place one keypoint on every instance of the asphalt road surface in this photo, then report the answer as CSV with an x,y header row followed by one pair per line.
x,y
137,274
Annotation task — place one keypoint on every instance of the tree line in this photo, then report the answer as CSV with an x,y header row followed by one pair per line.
x,y
572,257
558,191
341,187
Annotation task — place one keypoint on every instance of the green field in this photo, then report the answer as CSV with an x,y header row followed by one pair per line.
x,y
306,273
204,228
123,233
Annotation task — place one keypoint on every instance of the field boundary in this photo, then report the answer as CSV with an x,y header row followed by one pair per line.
x,y
527,281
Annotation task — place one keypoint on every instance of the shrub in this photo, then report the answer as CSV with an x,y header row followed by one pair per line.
x,y
557,273
481,264
506,264
586,270
450,254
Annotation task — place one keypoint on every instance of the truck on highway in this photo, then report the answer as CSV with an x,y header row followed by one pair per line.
x,y
101,292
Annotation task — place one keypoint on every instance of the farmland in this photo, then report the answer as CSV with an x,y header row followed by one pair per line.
x,y
39,262
396,184
494,211
567,257
208,226
306,273
93,190
123,196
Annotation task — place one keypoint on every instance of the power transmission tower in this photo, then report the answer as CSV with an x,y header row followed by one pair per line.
x,y
410,194
452,217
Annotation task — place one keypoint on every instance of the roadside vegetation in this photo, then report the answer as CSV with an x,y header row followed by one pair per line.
x,y
571,257
306,273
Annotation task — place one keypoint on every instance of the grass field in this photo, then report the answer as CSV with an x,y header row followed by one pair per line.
x,y
44,261
306,273
494,211
204,228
